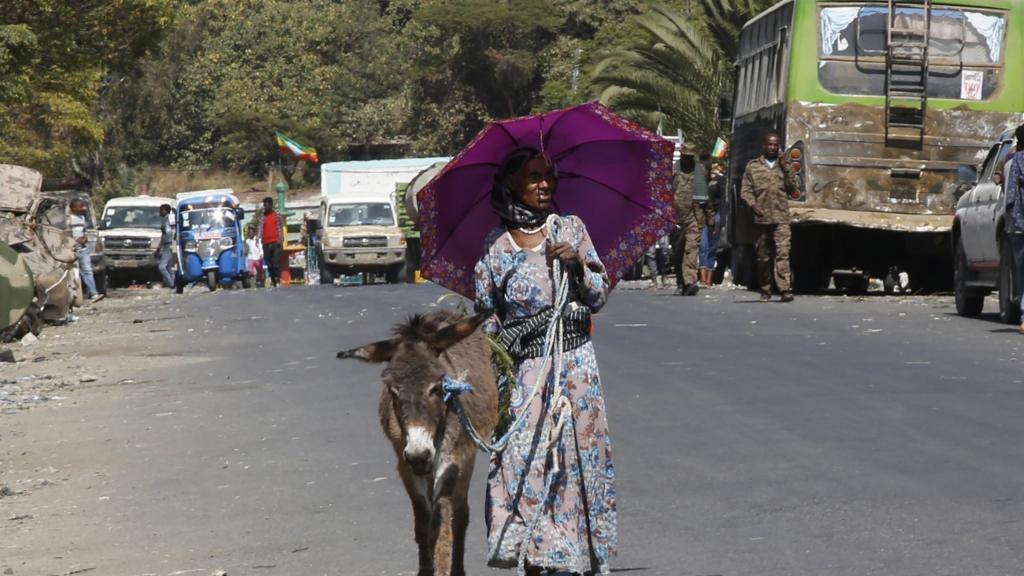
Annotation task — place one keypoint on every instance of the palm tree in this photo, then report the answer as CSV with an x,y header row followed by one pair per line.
x,y
680,68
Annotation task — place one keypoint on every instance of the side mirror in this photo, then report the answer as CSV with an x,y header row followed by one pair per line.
x,y
240,213
967,175
103,225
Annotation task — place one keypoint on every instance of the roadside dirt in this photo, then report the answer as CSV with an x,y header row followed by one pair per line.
x,y
46,474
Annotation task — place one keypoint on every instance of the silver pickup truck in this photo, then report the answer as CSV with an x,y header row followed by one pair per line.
x,y
982,259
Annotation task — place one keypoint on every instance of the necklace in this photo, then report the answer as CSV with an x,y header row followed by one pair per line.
x,y
532,231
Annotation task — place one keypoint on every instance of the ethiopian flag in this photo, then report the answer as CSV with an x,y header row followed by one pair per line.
x,y
288,146
720,150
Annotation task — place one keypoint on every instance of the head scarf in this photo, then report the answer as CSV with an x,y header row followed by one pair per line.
x,y
512,212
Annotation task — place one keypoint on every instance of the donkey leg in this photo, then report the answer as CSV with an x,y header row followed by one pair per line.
x,y
425,535
422,517
460,521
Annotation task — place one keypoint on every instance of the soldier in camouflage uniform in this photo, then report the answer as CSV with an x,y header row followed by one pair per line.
x,y
686,237
767,184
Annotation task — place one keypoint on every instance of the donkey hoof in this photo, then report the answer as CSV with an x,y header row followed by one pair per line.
x,y
425,572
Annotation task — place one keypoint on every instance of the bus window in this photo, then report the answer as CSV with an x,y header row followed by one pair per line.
x,y
852,49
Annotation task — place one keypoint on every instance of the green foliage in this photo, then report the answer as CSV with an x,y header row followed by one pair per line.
x,y
325,73
478,59
678,70
55,56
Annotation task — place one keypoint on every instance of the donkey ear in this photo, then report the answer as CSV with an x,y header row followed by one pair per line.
x,y
375,352
451,335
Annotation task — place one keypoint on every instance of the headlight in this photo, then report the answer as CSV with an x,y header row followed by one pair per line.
x,y
226,243
190,246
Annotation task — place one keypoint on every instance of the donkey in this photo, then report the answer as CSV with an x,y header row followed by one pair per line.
x,y
435,454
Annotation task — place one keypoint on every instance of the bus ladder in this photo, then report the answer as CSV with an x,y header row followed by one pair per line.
x,y
906,73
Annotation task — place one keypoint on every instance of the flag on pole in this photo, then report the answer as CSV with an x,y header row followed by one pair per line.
x,y
720,150
288,146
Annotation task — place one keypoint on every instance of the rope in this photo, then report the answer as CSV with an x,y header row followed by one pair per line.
x,y
554,428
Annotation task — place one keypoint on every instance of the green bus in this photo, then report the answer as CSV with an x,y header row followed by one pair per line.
x,y
878,105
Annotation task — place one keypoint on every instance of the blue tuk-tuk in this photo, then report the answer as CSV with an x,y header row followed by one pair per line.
x,y
211,246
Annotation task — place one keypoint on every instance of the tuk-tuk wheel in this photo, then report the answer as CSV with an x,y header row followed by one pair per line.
x,y
179,285
211,280
246,282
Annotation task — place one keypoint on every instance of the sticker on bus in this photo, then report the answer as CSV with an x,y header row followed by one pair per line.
x,y
971,82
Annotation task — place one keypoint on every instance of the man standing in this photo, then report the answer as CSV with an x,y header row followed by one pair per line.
x,y
78,226
269,232
165,251
689,182
767,183
1015,210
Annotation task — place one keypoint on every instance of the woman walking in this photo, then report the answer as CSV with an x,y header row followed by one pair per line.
x,y
550,495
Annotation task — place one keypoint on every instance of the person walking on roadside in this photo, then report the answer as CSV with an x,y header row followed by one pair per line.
x,y
690,182
767,184
165,250
78,226
653,260
1015,212
712,228
552,503
268,230
254,254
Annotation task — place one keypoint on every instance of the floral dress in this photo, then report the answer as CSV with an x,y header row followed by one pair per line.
x,y
576,529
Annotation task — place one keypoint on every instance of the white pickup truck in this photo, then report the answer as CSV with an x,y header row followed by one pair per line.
x,y
983,261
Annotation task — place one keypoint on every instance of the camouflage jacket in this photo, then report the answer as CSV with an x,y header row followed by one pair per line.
x,y
682,187
768,190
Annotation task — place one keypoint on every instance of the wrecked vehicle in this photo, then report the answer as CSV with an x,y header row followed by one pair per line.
x,y
18,313
34,225
877,106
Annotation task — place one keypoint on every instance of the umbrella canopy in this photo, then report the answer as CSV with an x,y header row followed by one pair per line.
x,y
612,174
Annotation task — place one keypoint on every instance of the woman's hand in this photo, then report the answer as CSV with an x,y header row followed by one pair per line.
x,y
564,251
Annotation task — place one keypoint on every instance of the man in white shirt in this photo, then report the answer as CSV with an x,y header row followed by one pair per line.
x,y
78,226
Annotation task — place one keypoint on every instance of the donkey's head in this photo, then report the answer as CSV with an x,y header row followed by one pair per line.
x,y
413,375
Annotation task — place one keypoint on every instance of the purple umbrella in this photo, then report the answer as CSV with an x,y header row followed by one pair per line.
x,y
613,174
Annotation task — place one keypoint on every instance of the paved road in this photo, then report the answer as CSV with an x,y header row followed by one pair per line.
x,y
830,436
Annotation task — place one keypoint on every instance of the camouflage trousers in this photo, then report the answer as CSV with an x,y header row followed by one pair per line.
x,y
686,246
771,242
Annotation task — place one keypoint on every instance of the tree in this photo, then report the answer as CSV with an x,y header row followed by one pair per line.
x,y
327,73
56,57
678,70
478,60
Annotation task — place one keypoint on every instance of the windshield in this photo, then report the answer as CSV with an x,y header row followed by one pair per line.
x,y
973,36
132,217
207,219
965,50
364,214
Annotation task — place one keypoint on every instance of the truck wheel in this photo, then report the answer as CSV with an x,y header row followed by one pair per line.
x,y
101,283
392,275
326,275
968,302
1009,307
211,280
